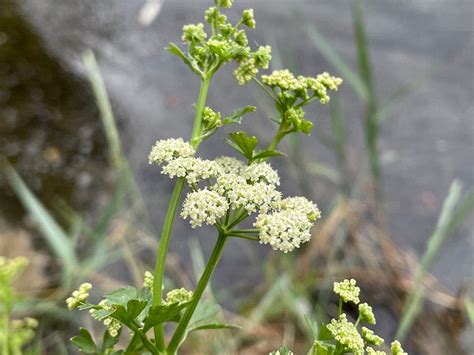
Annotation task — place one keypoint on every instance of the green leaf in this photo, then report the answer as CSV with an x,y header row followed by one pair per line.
x,y
163,313
312,326
174,49
206,312
122,295
282,351
236,117
324,333
214,326
84,342
54,235
243,143
108,341
101,314
321,348
127,315
267,153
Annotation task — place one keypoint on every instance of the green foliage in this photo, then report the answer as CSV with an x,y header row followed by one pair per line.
x,y
246,146
14,334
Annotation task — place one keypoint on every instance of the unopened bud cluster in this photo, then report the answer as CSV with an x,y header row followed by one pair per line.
x,y
179,295
79,296
347,333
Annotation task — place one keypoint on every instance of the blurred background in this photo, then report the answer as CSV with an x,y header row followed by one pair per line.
x,y
390,163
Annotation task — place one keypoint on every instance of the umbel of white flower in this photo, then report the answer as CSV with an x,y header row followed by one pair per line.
x,y
227,184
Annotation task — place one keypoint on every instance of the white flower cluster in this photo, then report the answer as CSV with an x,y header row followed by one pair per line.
x,y
284,224
169,149
288,227
204,206
191,168
257,197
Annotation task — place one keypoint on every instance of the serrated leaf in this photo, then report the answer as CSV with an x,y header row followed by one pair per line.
x,y
236,117
163,313
122,295
243,143
267,153
84,342
215,326
132,310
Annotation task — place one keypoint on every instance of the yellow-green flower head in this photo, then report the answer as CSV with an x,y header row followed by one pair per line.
x,y
347,290
148,280
370,337
79,296
248,18
318,89
397,349
224,3
10,268
284,230
346,333
230,165
263,56
366,314
331,82
204,206
261,172
192,169
283,79
371,351
246,71
179,295
302,205
194,33
168,149
113,326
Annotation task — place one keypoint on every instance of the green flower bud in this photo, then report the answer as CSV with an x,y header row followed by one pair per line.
x,y
240,38
263,56
248,18
347,290
370,337
224,3
366,314
397,349
193,33
371,351
148,280
180,295
246,71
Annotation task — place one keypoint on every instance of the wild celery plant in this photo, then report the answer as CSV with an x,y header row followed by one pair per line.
x,y
223,193
14,334
341,336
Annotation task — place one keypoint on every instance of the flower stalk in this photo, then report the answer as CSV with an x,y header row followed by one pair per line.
x,y
201,286
171,213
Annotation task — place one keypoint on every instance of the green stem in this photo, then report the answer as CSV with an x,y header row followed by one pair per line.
x,y
5,347
201,286
278,137
171,213
243,236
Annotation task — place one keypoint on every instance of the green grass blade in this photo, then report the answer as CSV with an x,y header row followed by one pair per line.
x,y
443,229
384,112
365,67
54,235
348,74
106,113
